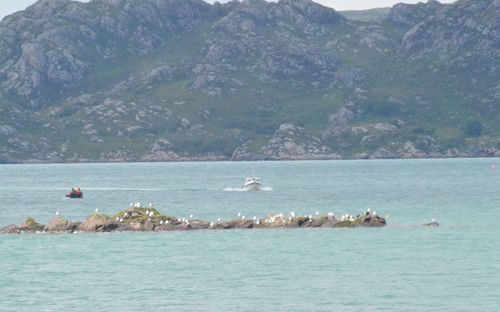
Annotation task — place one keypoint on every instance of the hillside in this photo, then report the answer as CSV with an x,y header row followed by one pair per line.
x,y
369,15
160,80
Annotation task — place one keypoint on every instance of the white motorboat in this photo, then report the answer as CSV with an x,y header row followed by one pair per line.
x,y
252,184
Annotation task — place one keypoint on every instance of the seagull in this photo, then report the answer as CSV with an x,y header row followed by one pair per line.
x,y
374,214
117,218
310,216
151,213
57,213
96,210
317,213
292,214
150,205
167,222
254,218
211,224
242,217
433,220
161,221
239,214
131,204
258,222
190,216
218,220
121,219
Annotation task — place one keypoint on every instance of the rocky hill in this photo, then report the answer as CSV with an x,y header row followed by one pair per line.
x,y
161,80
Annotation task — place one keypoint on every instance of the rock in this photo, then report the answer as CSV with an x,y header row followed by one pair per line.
x,y
199,225
30,225
149,226
291,142
59,224
9,229
133,227
167,227
432,224
98,223
372,221
409,15
340,119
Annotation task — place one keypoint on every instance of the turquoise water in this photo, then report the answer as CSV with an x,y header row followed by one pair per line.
x,y
455,267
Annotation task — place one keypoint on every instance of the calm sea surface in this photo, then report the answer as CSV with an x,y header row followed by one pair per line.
x,y
455,267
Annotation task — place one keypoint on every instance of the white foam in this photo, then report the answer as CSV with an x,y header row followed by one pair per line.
x,y
242,189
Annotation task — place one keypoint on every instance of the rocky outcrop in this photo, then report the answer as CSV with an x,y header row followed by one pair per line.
x,y
291,142
140,219
411,14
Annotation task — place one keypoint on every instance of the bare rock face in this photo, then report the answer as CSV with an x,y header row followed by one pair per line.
x,y
338,121
290,142
409,15
161,150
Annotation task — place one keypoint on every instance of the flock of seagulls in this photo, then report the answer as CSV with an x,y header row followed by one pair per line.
x,y
273,219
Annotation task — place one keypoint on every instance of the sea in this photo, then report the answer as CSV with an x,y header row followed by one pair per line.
x,y
401,267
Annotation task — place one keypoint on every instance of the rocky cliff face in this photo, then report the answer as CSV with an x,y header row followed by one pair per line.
x,y
151,80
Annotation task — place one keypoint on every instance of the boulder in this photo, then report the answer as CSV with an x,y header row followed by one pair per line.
x,y
372,221
98,223
432,224
9,229
59,224
199,225
30,225
340,119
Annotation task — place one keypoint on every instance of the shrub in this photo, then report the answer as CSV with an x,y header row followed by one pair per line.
x,y
473,128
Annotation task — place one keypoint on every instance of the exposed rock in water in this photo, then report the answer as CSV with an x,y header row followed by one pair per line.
x,y
9,229
151,220
59,224
98,223
431,224
30,225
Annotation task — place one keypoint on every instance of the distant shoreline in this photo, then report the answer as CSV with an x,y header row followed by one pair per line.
x,y
200,160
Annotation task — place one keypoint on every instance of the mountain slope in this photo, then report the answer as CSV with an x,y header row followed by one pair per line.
x,y
128,80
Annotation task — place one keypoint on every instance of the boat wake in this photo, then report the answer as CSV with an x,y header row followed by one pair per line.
x,y
242,189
